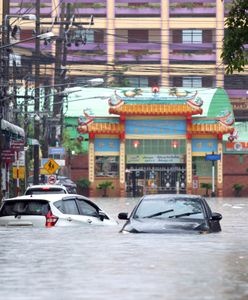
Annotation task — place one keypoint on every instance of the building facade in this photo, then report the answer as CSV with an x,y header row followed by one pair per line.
x,y
142,43
158,142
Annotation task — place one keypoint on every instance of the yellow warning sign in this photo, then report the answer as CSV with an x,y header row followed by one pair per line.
x,y
21,173
51,166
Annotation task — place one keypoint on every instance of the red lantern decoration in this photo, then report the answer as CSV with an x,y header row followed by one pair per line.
x,y
136,144
155,89
174,144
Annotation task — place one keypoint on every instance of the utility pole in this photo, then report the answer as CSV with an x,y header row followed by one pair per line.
x,y
59,77
37,96
64,63
4,71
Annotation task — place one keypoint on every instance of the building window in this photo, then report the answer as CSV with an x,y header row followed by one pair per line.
x,y
192,36
138,36
138,81
107,166
192,82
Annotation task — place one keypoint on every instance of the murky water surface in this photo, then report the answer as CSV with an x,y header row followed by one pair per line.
x,y
100,263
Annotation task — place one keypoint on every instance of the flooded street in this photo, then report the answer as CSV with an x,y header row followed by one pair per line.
x,y
100,263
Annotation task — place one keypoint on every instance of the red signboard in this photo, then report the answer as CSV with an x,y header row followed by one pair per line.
x,y
17,145
8,155
237,146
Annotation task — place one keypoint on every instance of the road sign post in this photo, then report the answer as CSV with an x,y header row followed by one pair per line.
x,y
17,146
213,157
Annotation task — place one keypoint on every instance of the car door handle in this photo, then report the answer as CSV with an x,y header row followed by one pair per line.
x,y
69,219
89,221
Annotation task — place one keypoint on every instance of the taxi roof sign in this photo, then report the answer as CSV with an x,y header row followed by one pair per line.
x,y
51,166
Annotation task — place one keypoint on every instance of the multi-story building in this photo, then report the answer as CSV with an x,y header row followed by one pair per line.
x,y
144,43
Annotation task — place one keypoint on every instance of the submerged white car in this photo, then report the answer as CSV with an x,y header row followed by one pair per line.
x,y
48,210
46,189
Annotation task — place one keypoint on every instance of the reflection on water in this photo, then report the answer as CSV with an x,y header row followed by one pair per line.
x,y
100,263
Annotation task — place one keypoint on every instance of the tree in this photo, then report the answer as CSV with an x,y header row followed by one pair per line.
x,y
234,54
72,144
207,186
104,186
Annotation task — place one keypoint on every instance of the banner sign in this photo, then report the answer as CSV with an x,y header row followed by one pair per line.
x,y
155,159
56,150
107,145
155,127
212,157
237,147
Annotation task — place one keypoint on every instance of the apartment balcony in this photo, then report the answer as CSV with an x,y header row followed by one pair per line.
x,y
88,47
137,46
31,10
195,11
137,11
135,1
86,8
239,94
193,2
135,58
31,46
97,58
192,47
193,57
87,11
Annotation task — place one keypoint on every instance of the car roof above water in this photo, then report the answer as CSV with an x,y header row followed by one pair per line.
x,y
168,196
48,197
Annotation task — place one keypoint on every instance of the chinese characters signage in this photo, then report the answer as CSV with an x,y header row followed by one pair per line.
x,y
155,159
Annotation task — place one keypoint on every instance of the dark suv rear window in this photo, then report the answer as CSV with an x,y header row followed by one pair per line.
x,y
39,191
24,207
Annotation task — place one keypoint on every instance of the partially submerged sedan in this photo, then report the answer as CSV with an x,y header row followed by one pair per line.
x,y
49,210
171,214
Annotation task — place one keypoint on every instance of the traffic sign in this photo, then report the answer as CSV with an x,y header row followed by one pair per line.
x,y
20,174
52,179
56,150
51,166
212,157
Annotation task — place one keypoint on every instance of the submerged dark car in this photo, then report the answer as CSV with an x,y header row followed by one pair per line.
x,y
171,214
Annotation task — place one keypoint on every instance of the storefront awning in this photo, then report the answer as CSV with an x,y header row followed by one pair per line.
x,y
7,126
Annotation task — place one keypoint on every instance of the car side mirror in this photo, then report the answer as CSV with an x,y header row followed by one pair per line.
x,y
216,216
123,216
102,215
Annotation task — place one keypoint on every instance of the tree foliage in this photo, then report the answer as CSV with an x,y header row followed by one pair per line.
x,y
234,54
71,144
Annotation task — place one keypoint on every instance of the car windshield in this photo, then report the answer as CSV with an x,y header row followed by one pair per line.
x,y
39,191
24,207
169,208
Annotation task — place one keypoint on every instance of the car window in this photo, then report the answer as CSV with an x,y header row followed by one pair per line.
x,y
39,191
22,207
71,189
59,206
86,208
168,208
70,207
